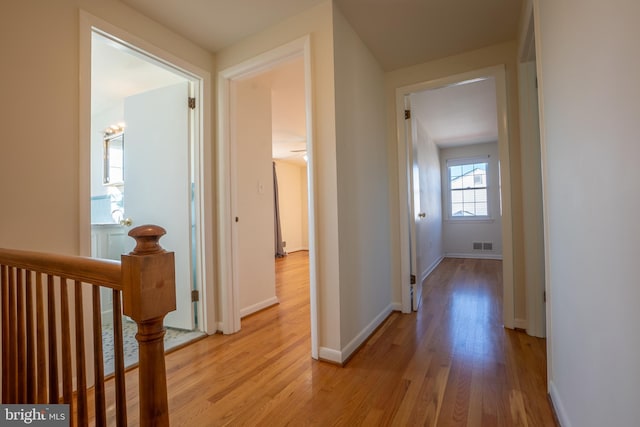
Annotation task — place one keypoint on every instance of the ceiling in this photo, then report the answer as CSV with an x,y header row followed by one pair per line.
x,y
288,115
460,114
118,72
399,33
453,116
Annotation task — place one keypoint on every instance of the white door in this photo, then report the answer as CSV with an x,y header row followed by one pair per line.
x,y
157,180
414,206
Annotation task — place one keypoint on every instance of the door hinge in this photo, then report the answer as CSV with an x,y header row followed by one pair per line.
x,y
407,114
544,296
412,279
195,296
192,103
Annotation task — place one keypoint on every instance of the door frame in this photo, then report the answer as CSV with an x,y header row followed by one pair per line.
x,y
227,256
498,73
534,239
410,135
200,150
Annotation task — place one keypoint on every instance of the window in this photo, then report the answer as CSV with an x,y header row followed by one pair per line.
x,y
468,188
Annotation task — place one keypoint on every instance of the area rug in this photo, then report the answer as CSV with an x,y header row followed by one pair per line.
x,y
173,338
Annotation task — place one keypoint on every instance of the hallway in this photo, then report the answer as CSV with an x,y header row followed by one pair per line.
x,y
449,364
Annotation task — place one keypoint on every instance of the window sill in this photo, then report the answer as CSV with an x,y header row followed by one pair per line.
x,y
462,220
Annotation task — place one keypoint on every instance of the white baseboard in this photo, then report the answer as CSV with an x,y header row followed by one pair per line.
x,y
289,251
558,406
340,357
355,343
473,256
520,324
330,355
259,306
430,269
396,306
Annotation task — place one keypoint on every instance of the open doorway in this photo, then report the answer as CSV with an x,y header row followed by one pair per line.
x,y
271,194
144,145
433,224
259,123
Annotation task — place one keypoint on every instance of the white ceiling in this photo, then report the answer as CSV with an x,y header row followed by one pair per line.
x,y
399,33
288,115
458,115
116,72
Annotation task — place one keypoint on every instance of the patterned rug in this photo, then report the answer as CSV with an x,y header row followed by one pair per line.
x,y
173,338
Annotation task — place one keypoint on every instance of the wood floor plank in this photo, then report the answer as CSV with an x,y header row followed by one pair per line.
x,y
449,364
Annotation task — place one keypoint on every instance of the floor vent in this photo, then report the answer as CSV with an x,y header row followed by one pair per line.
x,y
482,246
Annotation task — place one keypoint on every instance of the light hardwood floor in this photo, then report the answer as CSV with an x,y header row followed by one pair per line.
x,y
449,364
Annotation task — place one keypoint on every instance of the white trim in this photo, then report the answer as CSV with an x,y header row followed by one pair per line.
x,y
340,357
259,306
430,269
529,112
545,213
473,256
228,283
520,323
563,418
365,333
396,306
473,219
453,162
202,152
497,72
330,355
302,248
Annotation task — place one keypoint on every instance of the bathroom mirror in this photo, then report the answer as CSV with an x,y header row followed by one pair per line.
x,y
113,159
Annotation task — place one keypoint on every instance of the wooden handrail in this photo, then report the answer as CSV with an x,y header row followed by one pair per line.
x,y
102,272
35,292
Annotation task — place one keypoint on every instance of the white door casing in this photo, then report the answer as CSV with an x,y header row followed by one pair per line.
x,y
200,133
413,199
226,186
497,72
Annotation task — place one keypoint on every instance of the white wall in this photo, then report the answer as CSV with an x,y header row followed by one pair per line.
x,y
292,190
316,22
254,204
459,235
429,249
588,68
42,161
363,199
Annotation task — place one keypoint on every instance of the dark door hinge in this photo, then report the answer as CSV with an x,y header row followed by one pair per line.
x,y
192,103
195,296
413,279
407,114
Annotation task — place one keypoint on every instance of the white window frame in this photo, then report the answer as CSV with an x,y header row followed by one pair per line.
x,y
447,205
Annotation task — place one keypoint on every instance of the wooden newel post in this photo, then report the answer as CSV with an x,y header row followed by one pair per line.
x,y
148,278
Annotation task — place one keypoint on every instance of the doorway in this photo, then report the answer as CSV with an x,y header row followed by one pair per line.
x,y
405,163
144,128
234,185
